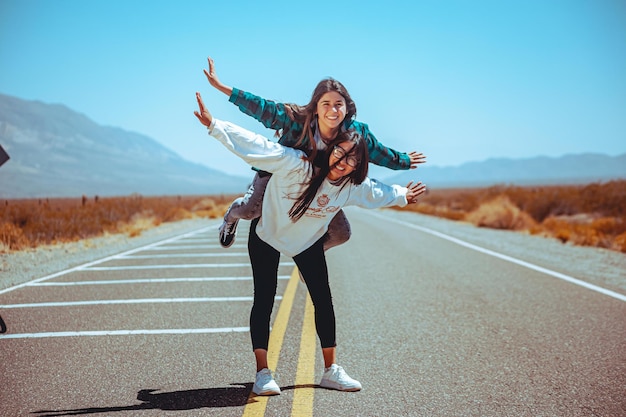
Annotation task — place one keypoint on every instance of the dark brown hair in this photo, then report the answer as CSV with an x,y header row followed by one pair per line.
x,y
306,114
357,176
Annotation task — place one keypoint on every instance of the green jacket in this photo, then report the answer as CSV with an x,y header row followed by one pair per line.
x,y
273,116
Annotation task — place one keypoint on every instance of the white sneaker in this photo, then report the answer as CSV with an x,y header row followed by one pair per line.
x,y
336,378
265,384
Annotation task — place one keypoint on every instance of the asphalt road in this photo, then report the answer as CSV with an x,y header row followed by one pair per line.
x,y
430,325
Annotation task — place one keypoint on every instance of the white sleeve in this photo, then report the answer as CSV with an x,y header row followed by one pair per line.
x,y
372,193
255,149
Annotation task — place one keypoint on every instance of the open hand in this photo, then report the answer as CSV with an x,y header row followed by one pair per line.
x,y
414,191
416,159
211,75
214,81
203,115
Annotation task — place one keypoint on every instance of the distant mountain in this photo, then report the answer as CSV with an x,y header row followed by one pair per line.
x,y
56,152
568,169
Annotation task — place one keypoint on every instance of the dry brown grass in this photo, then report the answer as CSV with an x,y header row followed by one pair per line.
x,y
32,222
589,215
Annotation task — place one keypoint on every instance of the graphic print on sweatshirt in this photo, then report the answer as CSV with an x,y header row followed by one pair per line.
x,y
322,208
318,208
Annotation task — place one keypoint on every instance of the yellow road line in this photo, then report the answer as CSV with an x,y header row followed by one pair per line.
x,y
255,406
303,394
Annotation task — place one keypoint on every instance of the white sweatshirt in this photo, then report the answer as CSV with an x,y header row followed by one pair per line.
x,y
291,172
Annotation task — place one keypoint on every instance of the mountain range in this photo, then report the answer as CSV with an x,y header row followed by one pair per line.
x,y
568,169
57,152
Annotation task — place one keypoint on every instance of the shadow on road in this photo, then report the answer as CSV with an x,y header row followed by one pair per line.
x,y
3,327
176,400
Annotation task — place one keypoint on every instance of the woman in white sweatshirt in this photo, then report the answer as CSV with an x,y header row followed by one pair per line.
x,y
300,201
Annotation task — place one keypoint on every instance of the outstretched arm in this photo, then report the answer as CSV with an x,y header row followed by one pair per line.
x,y
255,149
385,156
372,194
214,81
271,114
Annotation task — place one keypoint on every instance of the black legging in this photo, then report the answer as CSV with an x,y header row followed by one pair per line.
x,y
312,264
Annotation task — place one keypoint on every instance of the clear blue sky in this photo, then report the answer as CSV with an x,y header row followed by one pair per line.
x,y
461,80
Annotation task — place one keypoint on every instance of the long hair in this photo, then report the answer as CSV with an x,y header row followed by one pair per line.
x,y
305,115
357,176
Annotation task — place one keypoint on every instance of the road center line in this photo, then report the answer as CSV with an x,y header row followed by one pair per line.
x,y
256,405
511,259
305,375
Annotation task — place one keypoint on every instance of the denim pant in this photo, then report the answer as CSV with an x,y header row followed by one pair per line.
x,y
312,264
250,206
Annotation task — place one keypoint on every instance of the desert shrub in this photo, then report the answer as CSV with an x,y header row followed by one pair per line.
x,y
619,243
575,232
211,208
12,237
500,213
609,225
175,214
557,228
138,223
541,203
585,230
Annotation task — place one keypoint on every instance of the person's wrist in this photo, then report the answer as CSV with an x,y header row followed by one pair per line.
x,y
211,125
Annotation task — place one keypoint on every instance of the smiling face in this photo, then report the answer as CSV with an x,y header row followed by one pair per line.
x,y
342,161
331,110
